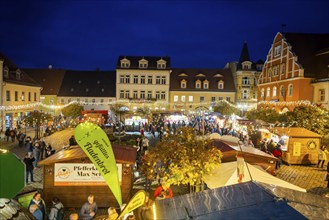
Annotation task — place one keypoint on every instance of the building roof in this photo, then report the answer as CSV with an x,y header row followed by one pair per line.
x,y
310,50
122,154
295,132
152,62
49,79
250,200
24,79
88,84
244,56
192,75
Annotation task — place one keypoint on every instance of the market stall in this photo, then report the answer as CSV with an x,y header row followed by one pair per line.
x,y
299,145
71,176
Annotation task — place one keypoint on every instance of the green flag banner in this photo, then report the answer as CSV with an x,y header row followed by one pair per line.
x,y
95,143
137,201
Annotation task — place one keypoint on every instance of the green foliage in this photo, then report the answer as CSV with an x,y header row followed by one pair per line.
x,y
143,111
73,110
36,118
267,115
226,109
310,117
185,158
119,109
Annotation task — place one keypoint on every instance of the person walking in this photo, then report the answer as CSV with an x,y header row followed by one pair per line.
x,y
322,156
28,160
40,203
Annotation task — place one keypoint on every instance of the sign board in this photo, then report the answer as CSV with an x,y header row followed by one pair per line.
x,y
296,149
12,175
80,174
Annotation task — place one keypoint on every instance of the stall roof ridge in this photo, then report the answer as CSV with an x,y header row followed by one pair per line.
x,y
295,132
122,154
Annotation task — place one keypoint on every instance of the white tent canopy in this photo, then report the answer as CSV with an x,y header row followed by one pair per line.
x,y
227,174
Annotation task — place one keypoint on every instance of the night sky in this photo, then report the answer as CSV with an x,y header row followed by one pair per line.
x,y
85,35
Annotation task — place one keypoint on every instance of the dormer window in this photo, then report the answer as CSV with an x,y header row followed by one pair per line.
x,y
125,63
183,84
220,84
143,64
6,72
161,64
206,84
277,51
198,84
246,65
18,74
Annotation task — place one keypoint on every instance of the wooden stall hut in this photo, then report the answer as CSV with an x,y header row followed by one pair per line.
x,y
71,176
299,145
251,155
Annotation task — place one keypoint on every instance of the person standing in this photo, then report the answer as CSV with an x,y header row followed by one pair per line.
x,y
322,156
36,212
328,175
40,203
57,207
89,209
28,160
36,153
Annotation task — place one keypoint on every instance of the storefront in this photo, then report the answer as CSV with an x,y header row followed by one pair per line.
x,y
71,176
299,145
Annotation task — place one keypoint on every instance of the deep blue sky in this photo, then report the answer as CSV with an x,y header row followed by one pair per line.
x,y
92,34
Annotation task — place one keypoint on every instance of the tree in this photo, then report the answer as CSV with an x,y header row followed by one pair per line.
x,y
35,119
74,110
184,159
144,111
226,109
267,115
310,117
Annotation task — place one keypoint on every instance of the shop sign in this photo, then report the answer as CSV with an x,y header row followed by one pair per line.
x,y
80,174
296,149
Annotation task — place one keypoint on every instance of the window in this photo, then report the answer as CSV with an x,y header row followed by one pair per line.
x,y
163,95
183,84
290,90
62,101
274,91
205,84
182,98
269,73
149,79
201,98
142,65
220,98
246,81
93,100
161,66
322,95
68,100
18,74
275,71
245,94
29,96
142,79
102,100
86,100
198,84
277,51
282,69
281,90
135,79
122,94
245,66
125,63
135,95
268,92
142,94
157,95
127,79
149,94
23,96
213,99
175,98
262,93
190,98
122,79
127,94
221,85
163,80
157,80
228,99
7,95
16,96
6,72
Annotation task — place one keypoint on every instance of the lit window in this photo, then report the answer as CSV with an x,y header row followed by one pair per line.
x,y
281,90
220,98
283,69
175,98
201,98
322,95
262,93
268,92
290,90
190,98
245,94
93,100
206,84
213,99
274,91
163,80
183,84
157,80
245,81
182,98
149,80
127,79
198,84
122,79
102,100
23,96
275,71
277,51
221,85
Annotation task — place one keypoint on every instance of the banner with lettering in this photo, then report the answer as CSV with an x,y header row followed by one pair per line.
x,y
137,201
97,146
